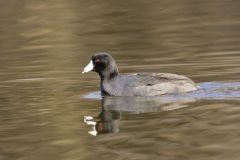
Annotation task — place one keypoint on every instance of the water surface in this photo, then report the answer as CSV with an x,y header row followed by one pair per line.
x,y
44,46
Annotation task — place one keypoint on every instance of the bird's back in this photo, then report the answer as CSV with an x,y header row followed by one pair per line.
x,y
149,84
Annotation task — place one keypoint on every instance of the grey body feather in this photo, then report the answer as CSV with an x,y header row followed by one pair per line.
x,y
150,84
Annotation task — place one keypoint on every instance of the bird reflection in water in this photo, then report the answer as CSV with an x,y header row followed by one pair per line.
x,y
106,122
111,108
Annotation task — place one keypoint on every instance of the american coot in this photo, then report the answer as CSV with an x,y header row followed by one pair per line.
x,y
138,84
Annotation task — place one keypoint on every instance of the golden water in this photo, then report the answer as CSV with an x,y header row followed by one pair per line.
x,y
44,46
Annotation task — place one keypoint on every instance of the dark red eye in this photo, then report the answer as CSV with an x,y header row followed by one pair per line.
x,y
97,60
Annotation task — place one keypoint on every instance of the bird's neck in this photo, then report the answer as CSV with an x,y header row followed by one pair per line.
x,y
109,74
105,77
